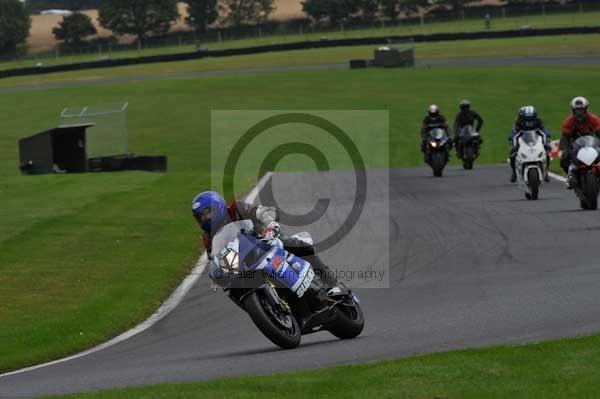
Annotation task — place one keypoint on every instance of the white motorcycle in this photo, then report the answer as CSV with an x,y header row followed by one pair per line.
x,y
531,161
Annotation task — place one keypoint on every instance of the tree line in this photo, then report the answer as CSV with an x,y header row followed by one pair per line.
x,y
338,11
152,18
141,18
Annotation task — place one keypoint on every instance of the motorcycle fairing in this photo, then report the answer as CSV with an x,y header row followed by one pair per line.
x,y
285,268
587,155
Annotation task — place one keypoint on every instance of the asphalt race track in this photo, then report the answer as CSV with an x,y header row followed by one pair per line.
x,y
472,263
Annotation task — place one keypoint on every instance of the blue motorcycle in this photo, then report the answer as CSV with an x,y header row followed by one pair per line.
x,y
280,291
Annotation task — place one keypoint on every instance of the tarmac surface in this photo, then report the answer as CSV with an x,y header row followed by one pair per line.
x,y
468,261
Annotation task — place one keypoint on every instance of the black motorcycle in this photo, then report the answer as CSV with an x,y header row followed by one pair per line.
x,y
437,151
586,151
468,145
280,291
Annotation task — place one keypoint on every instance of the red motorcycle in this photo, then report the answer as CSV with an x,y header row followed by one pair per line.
x,y
586,151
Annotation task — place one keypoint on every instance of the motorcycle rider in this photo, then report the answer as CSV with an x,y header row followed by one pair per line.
x,y
211,212
434,119
527,119
466,117
581,122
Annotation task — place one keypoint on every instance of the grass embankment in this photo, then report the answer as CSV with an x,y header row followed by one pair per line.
x,y
84,257
588,18
561,369
574,45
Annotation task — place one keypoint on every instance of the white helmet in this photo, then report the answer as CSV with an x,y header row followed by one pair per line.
x,y
433,110
579,107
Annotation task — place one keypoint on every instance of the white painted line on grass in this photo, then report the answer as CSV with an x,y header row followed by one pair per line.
x,y
167,306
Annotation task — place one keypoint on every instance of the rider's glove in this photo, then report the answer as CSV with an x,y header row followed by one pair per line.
x,y
271,232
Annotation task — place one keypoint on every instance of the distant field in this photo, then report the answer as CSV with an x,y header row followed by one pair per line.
x,y
42,38
580,45
85,257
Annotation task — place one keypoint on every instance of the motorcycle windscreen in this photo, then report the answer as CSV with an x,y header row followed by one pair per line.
x,y
252,251
228,234
530,137
437,134
586,141
468,131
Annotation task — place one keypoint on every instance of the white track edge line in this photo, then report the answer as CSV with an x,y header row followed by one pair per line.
x,y
252,195
557,177
165,308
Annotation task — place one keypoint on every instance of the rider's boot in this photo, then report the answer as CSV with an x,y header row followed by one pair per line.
x,y
423,150
513,166
548,157
339,290
571,179
571,182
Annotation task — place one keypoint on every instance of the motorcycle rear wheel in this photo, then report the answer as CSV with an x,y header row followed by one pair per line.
x,y
349,322
265,318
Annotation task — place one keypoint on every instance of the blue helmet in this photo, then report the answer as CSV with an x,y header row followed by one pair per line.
x,y
215,203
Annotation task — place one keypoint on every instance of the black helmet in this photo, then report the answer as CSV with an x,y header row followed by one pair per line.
x,y
528,116
464,105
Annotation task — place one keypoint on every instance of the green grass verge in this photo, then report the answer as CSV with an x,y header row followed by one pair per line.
x,y
82,260
588,18
560,369
578,45
84,257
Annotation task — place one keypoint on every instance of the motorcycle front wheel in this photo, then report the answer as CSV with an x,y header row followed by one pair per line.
x,y
533,180
468,158
589,186
438,162
280,327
